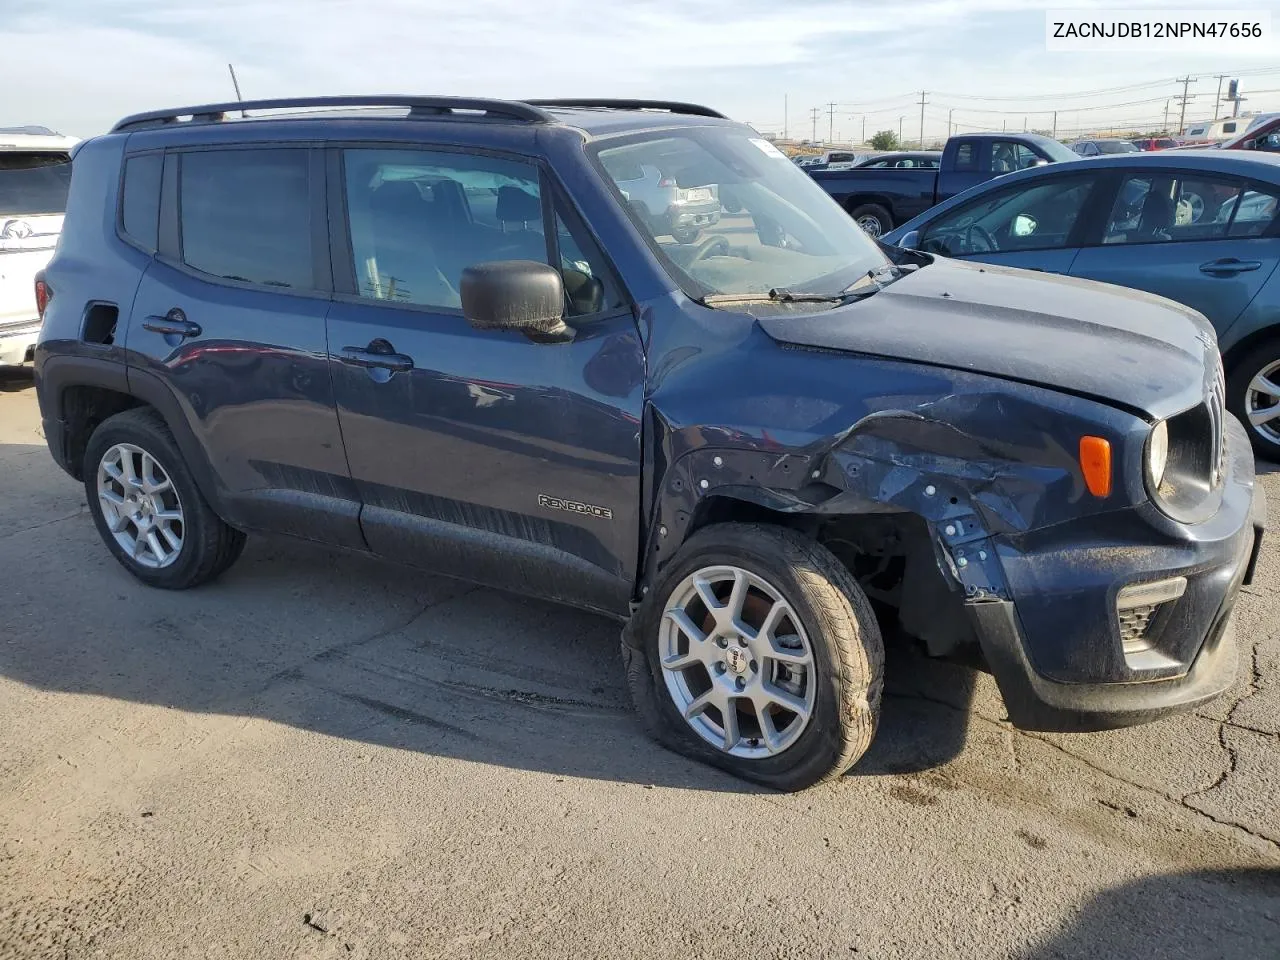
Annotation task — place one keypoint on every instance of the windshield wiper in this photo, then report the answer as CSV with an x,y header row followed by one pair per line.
x,y
872,282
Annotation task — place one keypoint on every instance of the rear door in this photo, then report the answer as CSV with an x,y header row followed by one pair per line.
x,y
1205,240
479,453
1035,224
229,318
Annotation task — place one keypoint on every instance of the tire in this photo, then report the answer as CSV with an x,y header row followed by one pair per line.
x,y
874,219
1263,359
687,235
843,639
208,546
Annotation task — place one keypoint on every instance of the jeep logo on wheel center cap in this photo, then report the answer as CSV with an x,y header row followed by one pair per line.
x,y
736,660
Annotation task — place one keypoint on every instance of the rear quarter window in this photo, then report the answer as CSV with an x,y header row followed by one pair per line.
x,y
140,205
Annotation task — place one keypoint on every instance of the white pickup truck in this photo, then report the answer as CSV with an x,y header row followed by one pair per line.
x,y
35,171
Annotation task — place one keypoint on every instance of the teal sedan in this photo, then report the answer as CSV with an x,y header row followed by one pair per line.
x,y
1196,226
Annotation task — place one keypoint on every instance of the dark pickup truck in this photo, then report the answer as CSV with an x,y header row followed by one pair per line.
x,y
881,199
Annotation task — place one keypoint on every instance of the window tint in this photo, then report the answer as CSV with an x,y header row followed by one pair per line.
x,y
140,207
1007,156
1162,209
1034,216
967,156
417,219
1228,128
33,182
246,215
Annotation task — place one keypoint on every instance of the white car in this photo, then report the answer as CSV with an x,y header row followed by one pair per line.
x,y
35,172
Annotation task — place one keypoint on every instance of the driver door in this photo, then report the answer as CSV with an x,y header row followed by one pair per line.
x,y
1036,224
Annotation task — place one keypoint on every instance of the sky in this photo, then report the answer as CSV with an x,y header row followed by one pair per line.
x,y
79,65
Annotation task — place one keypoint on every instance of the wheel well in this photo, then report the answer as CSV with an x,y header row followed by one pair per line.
x,y
83,408
862,199
892,557
1238,350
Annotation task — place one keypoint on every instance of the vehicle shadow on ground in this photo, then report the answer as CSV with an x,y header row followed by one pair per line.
x,y
1233,913
14,379
351,647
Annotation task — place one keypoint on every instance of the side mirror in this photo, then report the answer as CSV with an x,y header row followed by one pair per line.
x,y
521,295
910,240
1249,144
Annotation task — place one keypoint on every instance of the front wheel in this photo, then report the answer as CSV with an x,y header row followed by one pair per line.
x,y
1253,395
685,234
758,653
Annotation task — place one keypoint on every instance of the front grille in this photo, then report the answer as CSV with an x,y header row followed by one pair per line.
x,y
1136,608
1216,404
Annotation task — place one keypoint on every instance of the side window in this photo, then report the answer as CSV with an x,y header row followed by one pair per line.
x,y
1036,216
418,219
1228,127
1163,209
246,215
140,205
1253,215
1007,156
967,156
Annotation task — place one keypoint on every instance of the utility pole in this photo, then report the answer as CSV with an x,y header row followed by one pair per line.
x,y
813,115
1217,99
950,111
864,128
1024,123
785,115
1165,128
831,122
923,101
1182,112
1055,124
900,119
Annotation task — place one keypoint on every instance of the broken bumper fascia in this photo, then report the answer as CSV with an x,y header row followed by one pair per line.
x,y
1215,571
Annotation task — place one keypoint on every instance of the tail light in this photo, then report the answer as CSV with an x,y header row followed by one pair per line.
x,y
666,182
44,293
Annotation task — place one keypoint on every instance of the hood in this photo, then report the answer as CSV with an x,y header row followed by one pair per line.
x,y
1121,346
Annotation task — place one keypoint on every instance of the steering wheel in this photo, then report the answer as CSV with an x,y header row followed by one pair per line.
x,y
977,231
714,244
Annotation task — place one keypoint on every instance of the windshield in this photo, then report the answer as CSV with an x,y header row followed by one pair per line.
x,y
727,213
1115,146
1054,150
33,182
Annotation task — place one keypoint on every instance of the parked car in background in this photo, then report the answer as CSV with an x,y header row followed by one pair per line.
x,y
1097,148
1154,143
1199,227
1263,136
880,198
35,172
903,160
672,210
275,319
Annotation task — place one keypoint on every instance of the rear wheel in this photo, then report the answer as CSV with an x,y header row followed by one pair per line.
x,y
874,219
1253,394
758,653
686,234
147,507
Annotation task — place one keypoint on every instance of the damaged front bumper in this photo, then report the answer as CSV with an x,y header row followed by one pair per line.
x,y
1062,652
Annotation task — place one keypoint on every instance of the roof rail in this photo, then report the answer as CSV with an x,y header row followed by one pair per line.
x,y
419,107
671,106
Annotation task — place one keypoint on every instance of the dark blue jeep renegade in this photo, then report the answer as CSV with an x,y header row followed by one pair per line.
x,y
626,356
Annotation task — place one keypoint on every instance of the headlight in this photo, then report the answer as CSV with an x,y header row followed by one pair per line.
x,y
1157,454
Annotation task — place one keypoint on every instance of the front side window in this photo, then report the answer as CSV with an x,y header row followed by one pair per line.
x,y
1034,216
1163,209
728,215
418,219
246,216
1007,156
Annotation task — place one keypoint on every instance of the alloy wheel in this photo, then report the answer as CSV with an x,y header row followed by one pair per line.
x,y
737,662
1262,402
140,506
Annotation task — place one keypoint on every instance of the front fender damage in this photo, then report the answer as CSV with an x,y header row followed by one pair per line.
x,y
937,461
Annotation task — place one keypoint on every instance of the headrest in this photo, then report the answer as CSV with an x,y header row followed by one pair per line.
x,y
516,205
395,195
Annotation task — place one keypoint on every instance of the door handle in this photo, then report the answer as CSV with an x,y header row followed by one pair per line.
x,y
174,323
376,360
1229,265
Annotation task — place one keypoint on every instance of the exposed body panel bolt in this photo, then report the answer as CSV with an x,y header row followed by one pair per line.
x,y
718,462
703,484
982,554
962,562
949,530
930,490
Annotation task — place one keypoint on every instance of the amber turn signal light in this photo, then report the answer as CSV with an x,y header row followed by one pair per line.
x,y
1095,461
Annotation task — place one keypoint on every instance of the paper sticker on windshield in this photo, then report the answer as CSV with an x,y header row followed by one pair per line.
x,y
768,149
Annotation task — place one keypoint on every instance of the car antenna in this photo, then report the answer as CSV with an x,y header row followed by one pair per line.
x,y
236,83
